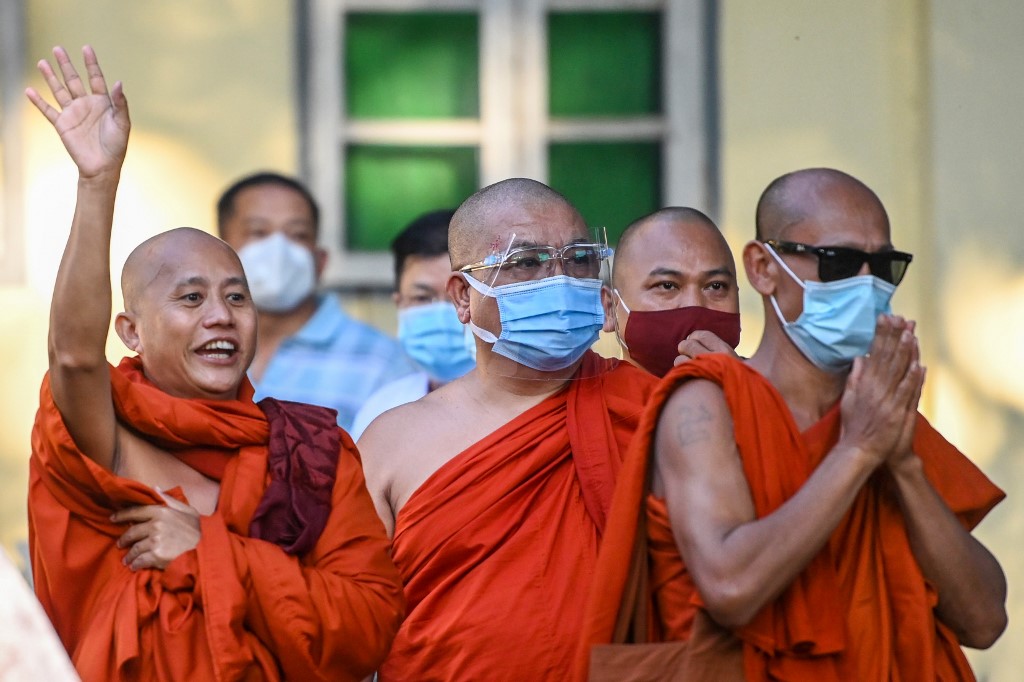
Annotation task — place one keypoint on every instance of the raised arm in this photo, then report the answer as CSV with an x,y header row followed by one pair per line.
x,y
740,562
93,124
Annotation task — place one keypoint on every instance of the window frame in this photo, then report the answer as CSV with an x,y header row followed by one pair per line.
x,y
12,50
512,133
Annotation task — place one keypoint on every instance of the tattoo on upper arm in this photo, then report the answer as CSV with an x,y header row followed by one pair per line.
x,y
693,425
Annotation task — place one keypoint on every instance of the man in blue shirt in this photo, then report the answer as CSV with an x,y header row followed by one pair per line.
x,y
309,350
429,328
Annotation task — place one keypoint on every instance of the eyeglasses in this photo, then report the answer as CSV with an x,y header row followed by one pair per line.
x,y
537,262
840,262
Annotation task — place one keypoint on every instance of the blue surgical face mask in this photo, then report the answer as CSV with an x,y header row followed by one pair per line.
x,y
433,336
838,320
546,324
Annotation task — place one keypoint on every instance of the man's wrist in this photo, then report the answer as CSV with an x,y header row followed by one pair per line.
x,y
102,181
906,466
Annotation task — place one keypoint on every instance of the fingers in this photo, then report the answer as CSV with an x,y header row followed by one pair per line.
x,y
97,83
71,79
177,505
138,514
710,341
42,105
134,534
60,93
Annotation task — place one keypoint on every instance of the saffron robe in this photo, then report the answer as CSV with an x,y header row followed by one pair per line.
x,y
233,608
497,547
860,610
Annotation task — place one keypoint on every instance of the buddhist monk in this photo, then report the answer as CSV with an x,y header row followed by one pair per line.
x,y
673,293
178,530
496,486
807,522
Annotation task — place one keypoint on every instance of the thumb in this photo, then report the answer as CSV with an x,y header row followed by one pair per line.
x,y
171,502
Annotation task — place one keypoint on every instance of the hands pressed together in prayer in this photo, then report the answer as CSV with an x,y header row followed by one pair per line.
x,y
158,534
879,405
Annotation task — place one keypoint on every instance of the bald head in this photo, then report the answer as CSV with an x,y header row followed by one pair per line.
x,y
681,223
479,224
150,258
817,194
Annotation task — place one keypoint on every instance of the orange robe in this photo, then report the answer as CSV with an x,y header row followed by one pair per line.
x,y
497,547
235,607
861,610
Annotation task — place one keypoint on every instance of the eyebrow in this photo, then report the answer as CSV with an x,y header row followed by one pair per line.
x,y
199,280
423,287
662,272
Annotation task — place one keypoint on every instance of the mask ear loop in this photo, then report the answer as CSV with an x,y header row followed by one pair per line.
x,y
785,267
775,303
615,320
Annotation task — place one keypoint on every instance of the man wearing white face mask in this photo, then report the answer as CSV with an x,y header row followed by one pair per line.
x,y
807,523
309,350
429,329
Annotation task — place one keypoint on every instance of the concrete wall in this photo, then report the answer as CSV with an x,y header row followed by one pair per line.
x,y
920,99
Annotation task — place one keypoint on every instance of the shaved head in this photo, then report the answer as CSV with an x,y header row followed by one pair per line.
x,y
477,224
812,193
687,223
146,261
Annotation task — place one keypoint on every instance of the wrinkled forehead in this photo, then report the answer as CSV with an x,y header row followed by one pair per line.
x,y
165,262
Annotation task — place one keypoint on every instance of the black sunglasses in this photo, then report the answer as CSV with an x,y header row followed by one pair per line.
x,y
840,262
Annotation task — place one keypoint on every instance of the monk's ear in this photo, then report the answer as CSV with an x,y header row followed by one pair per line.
x,y
128,330
608,303
458,292
762,270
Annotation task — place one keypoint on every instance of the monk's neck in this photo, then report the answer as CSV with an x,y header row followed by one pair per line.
x,y
808,391
500,379
274,328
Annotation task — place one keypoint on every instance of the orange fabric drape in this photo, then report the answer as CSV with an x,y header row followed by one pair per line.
x,y
861,609
234,608
497,547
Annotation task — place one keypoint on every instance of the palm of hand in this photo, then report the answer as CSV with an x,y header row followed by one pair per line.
x,y
91,133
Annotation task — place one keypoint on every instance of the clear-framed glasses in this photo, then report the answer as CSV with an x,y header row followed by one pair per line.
x,y
525,263
840,262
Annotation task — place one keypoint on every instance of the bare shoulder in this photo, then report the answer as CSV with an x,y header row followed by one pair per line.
x,y
698,469
695,413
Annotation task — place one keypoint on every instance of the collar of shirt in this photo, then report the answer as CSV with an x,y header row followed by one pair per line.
x,y
323,326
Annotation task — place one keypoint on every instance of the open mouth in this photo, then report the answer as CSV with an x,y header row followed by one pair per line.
x,y
218,350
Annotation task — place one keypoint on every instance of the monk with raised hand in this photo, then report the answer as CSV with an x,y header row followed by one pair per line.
x,y
496,486
673,293
179,531
806,522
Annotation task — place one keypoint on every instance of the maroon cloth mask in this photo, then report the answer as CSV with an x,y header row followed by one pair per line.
x,y
652,336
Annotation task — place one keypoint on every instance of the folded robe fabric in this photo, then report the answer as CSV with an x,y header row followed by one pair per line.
x,y
236,607
861,610
497,547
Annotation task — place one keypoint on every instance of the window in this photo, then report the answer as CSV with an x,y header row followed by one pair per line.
x,y
412,105
12,266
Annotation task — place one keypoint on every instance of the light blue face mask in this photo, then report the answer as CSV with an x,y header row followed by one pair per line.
x,y
433,336
546,324
838,320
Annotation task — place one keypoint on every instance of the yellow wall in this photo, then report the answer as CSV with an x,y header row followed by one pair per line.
x,y
211,95
920,99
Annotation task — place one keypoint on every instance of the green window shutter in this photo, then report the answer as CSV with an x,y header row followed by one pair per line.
x,y
412,65
604,63
387,186
611,183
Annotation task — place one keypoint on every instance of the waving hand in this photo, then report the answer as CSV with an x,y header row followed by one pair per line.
x,y
92,123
